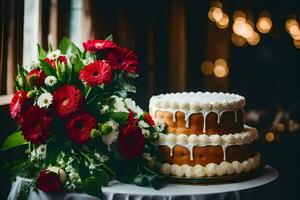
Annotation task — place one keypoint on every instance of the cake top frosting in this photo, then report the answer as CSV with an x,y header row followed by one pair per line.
x,y
197,101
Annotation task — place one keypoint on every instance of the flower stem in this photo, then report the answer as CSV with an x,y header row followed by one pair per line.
x,y
88,92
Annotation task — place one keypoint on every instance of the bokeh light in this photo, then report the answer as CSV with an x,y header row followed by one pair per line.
x,y
238,40
207,67
221,69
254,39
224,22
269,136
264,24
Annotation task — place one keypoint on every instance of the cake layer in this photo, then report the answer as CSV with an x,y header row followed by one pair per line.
x,y
248,135
212,169
199,112
229,122
207,154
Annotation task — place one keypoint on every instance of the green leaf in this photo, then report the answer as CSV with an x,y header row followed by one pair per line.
x,y
120,117
14,140
66,46
125,85
78,65
52,152
110,37
92,186
47,68
42,53
101,176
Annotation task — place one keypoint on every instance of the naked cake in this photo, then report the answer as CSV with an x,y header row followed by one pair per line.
x,y
206,135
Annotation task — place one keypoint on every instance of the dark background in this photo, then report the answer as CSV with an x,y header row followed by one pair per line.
x,y
173,37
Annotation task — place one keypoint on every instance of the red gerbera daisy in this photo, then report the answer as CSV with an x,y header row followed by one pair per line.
x,y
36,77
123,59
99,72
50,61
80,126
131,141
66,100
131,119
149,119
48,181
36,124
18,103
95,46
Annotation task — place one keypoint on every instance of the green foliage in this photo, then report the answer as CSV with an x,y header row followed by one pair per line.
x,y
110,37
120,117
66,46
101,176
47,68
14,140
42,54
92,186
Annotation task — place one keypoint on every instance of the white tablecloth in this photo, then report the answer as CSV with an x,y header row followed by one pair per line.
x,y
257,188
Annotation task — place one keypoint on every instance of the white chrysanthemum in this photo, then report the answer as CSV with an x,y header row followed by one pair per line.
x,y
159,125
119,105
50,80
41,151
143,124
146,133
54,54
45,100
111,137
131,105
104,109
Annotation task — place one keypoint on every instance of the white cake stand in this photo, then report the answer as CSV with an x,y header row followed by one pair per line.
x,y
121,191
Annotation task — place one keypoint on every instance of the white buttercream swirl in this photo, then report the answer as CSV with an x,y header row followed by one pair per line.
x,y
211,169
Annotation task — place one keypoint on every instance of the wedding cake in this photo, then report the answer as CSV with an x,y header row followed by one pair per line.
x,y
206,135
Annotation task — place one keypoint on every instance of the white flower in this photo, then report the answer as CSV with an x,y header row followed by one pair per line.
x,y
119,105
111,137
104,109
54,54
159,125
143,124
45,100
41,151
50,80
131,105
146,133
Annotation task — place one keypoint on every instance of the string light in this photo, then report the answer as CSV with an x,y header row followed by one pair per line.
x,y
254,39
207,67
223,23
217,14
221,69
238,40
264,22
238,14
270,137
297,43
280,127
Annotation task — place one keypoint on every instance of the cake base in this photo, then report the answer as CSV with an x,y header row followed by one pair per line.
x,y
219,179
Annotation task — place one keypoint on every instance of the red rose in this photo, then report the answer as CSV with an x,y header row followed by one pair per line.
x,y
149,119
95,46
35,125
63,59
50,61
66,100
131,141
18,103
96,73
36,77
131,119
79,127
48,181
123,59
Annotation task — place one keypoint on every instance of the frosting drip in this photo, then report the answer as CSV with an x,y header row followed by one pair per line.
x,y
171,140
211,169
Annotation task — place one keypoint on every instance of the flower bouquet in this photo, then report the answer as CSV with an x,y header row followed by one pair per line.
x,y
79,128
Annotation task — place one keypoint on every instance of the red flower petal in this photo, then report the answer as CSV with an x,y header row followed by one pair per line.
x,y
123,59
131,142
63,59
48,181
149,119
66,100
18,103
80,126
51,62
35,125
40,77
95,46
96,73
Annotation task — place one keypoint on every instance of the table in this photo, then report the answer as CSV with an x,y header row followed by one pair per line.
x,y
256,188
